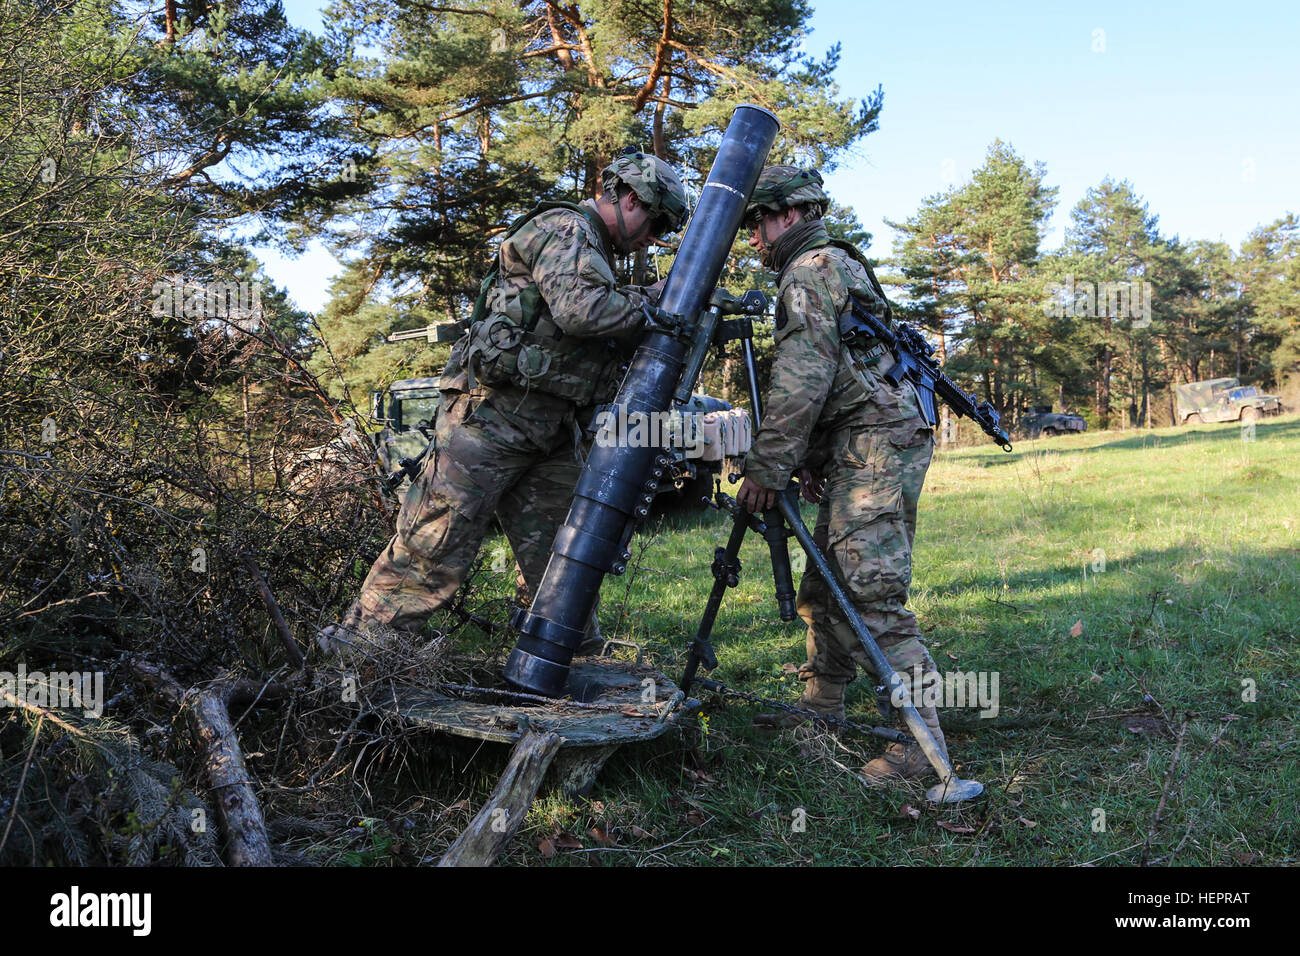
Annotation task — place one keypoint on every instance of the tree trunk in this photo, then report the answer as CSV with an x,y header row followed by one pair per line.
x,y
241,817
730,371
238,812
1103,412
945,414
1146,389
660,145
248,435
1238,344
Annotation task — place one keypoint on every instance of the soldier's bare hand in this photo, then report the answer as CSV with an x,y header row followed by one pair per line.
x,y
811,486
753,497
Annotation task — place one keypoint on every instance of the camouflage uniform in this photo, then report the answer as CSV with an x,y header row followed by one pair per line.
x,y
507,448
868,439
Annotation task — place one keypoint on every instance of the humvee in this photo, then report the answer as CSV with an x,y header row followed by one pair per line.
x,y
1041,421
1222,400
408,409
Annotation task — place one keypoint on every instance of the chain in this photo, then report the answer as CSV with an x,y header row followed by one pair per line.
x,y
811,715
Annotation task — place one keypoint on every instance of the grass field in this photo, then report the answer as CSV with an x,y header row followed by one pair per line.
x,y
1128,589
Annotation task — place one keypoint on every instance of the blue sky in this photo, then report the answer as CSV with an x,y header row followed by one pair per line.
x,y
1196,104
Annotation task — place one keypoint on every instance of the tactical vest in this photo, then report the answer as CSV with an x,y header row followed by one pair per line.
x,y
512,339
867,357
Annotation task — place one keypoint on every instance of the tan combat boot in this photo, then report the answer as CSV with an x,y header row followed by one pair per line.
x,y
819,695
338,640
908,762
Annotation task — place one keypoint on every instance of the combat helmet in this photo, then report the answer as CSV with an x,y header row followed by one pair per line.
x,y
780,187
655,183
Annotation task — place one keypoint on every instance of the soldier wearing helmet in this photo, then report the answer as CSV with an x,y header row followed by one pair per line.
x,y
860,444
545,344
658,191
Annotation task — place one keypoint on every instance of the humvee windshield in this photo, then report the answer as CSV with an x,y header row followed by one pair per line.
x,y
416,410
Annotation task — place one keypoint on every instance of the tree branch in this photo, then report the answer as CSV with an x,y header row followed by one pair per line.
x,y
563,49
434,8
661,55
219,151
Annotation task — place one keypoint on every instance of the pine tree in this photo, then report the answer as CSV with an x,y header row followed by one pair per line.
x,y
967,260
1269,274
1114,241
473,111
240,100
931,258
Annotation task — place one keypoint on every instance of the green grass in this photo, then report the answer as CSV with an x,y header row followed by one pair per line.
x,y
1198,595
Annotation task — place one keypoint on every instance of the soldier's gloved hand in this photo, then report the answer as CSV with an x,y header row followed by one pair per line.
x,y
811,487
648,323
653,292
753,497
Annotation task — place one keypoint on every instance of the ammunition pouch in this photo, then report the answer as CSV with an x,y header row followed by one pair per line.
x,y
498,352
866,355
512,340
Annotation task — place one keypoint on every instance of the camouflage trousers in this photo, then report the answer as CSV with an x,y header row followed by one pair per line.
x,y
865,524
497,451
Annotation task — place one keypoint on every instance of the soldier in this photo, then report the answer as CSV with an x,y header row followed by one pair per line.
x,y
861,445
549,333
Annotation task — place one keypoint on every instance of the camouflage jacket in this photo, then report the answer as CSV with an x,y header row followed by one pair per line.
x,y
815,396
556,279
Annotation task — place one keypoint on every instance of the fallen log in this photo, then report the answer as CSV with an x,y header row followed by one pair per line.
x,y
504,812
237,808
238,812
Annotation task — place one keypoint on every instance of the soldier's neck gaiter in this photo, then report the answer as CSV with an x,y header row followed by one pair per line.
x,y
795,240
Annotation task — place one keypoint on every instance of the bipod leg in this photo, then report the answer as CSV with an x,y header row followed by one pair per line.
x,y
775,534
951,788
726,574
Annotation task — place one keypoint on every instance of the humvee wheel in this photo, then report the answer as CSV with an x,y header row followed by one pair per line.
x,y
1194,419
1249,413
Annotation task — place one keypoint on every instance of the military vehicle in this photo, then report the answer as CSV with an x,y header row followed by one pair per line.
x,y
1222,400
408,407
1042,421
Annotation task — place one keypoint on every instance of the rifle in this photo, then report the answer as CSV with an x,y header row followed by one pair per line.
x,y
407,468
914,360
